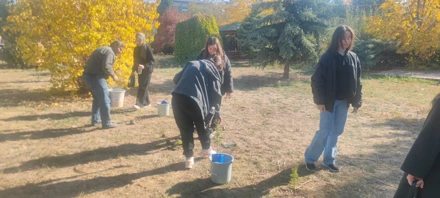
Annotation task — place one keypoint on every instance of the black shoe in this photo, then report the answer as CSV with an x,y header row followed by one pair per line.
x,y
311,167
332,168
110,126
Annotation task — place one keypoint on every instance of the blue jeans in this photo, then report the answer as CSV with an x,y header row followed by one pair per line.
x,y
101,99
331,126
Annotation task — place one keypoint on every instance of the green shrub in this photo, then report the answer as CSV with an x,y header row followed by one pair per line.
x,y
191,36
168,49
375,54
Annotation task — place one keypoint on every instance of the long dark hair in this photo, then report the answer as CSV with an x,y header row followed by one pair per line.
x,y
212,40
218,62
337,37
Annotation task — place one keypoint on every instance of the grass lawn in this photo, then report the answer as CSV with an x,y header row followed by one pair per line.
x,y
48,149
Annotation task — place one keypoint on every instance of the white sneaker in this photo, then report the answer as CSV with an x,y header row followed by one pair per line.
x,y
212,134
136,107
207,153
189,163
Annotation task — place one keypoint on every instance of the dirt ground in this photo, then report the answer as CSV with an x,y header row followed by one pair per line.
x,y
48,148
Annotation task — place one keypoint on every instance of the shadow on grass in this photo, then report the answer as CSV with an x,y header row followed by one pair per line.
x,y
380,169
165,87
202,187
40,73
28,81
147,117
61,116
51,116
47,133
16,97
96,155
83,186
270,79
411,125
253,82
397,78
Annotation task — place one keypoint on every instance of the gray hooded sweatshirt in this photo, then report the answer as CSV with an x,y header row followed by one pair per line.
x,y
200,81
101,62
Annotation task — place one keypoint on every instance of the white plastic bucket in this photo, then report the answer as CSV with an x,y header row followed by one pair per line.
x,y
163,109
117,97
221,168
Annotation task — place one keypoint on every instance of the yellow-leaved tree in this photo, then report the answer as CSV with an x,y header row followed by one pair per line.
x,y
414,24
59,36
225,13
237,10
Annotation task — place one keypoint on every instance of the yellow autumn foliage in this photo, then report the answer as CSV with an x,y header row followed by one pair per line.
x,y
414,24
236,11
224,13
59,35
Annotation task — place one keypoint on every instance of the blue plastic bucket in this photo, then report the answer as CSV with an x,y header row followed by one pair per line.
x,y
221,168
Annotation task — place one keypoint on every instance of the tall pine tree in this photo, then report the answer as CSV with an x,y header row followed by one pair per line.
x,y
287,31
367,5
164,6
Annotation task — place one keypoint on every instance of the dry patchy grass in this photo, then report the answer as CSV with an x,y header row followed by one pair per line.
x,y
48,149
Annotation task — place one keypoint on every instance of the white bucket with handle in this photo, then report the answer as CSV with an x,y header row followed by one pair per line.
x,y
117,97
163,108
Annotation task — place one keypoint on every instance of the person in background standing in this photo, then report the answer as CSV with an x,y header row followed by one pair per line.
x,y
336,84
214,48
144,65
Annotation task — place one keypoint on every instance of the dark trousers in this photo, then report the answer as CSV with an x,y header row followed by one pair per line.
x,y
188,115
101,99
215,119
142,98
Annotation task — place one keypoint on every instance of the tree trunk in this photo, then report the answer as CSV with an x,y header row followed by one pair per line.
x,y
286,70
318,41
419,9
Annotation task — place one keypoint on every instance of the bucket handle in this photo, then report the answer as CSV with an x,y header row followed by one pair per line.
x,y
213,174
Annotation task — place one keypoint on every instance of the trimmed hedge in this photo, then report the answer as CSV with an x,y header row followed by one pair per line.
x,y
191,36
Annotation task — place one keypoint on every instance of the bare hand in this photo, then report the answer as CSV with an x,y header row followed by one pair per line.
x,y
141,67
355,110
115,78
411,179
321,108
228,95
